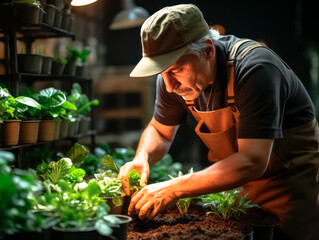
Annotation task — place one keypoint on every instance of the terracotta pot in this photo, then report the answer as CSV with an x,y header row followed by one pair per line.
x,y
10,132
64,128
57,129
29,131
57,67
30,63
113,209
46,65
49,14
46,130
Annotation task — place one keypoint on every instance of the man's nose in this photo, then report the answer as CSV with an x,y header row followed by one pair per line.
x,y
171,84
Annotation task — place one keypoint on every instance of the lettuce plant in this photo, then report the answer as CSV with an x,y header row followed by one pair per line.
x,y
228,204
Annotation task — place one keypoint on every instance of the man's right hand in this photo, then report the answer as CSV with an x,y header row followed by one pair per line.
x,y
142,167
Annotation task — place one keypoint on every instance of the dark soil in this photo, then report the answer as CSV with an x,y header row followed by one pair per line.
x,y
194,225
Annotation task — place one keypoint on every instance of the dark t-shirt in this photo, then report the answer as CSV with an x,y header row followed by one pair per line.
x,y
268,94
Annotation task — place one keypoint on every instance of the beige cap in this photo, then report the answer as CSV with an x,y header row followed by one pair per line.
x,y
166,35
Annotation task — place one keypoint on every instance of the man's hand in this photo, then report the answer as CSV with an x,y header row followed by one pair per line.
x,y
142,167
152,200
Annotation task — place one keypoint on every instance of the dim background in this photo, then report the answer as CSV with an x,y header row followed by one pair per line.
x,y
290,28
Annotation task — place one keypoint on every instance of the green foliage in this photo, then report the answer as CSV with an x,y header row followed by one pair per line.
x,y
16,191
109,163
77,55
81,100
134,180
21,107
184,203
78,153
59,170
91,164
228,204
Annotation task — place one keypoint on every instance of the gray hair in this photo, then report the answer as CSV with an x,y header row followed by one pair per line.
x,y
196,48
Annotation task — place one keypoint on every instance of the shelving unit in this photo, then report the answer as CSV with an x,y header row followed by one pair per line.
x,y
13,79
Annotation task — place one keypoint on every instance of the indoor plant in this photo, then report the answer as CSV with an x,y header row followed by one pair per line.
x,y
27,12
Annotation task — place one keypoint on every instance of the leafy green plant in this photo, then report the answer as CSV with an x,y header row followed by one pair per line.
x,y
80,56
81,100
35,3
21,107
134,180
228,204
16,206
184,203
53,103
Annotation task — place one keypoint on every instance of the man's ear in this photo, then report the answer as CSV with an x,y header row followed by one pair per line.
x,y
210,51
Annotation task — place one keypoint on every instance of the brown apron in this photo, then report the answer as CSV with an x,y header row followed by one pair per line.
x,y
288,189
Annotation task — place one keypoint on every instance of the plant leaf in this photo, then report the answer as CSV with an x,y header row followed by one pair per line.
x,y
78,153
109,163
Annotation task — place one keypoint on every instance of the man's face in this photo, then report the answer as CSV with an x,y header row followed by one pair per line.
x,y
189,75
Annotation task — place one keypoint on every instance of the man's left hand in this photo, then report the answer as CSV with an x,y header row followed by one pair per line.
x,y
152,200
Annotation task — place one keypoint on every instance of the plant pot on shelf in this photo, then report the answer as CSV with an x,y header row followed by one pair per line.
x,y
29,131
70,27
69,69
71,130
66,15
84,124
26,14
10,132
64,128
57,67
46,130
113,208
58,3
49,14
30,63
57,129
46,65
82,71
57,19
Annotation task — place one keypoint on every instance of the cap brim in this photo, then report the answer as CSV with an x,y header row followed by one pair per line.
x,y
150,66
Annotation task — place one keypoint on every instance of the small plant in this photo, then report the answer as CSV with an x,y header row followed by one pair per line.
x,y
35,3
21,107
80,57
184,203
228,204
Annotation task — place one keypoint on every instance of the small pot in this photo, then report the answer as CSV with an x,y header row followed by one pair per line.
x,y
10,132
84,124
82,71
70,27
71,130
69,69
29,131
46,65
57,129
30,63
121,231
58,3
264,232
49,14
64,128
26,14
46,130
66,15
57,19
57,67
113,209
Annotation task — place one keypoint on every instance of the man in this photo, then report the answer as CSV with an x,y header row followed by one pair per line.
x,y
253,114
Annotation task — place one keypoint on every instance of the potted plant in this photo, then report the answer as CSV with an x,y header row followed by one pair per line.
x,y
11,112
27,12
53,104
83,105
82,66
71,62
58,65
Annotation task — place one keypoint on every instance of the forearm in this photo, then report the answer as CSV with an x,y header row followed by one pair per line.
x,y
226,174
153,144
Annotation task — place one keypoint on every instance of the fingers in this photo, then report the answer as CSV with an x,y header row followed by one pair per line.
x,y
145,210
144,178
134,201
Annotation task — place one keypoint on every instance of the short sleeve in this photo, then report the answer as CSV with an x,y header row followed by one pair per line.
x,y
169,107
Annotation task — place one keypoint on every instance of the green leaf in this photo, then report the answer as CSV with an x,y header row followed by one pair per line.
x,y
78,175
60,169
103,228
78,153
109,163
93,189
28,101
